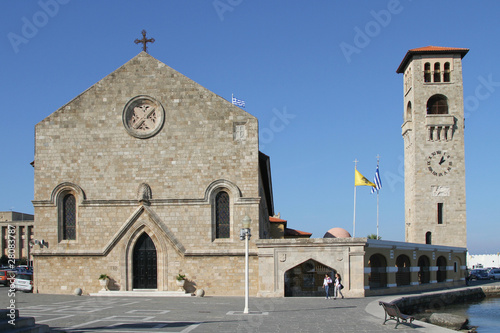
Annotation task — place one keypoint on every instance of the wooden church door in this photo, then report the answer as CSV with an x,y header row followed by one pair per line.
x,y
144,263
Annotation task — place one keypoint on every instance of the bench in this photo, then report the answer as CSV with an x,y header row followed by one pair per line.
x,y
393,312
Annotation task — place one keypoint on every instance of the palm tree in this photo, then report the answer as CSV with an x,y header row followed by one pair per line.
x,y
373,236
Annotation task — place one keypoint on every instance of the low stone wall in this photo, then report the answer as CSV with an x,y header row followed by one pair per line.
x,y
492,290
437,300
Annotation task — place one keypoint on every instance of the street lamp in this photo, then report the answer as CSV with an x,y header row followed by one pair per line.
x,y
245,235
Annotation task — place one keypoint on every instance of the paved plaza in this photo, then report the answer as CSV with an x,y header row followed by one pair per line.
x,y
68,313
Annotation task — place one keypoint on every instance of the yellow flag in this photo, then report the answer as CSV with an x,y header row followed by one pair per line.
x,y
360,180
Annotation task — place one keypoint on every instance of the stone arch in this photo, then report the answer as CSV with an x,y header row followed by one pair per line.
x,y
408,113
447,72
424,275
377,277
214,187
457,267
64,188
437,72
441,269
428,237
403,276
437,104
60,196
160,242
144,263
211,195
306,278
427,72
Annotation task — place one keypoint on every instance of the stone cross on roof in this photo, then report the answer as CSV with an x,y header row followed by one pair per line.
x,y
144,40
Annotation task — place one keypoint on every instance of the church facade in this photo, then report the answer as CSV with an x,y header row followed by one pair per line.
x,y
144,176
147,175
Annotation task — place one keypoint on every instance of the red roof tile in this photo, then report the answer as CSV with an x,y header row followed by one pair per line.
x,y
431,48
427,50
275,219
294,232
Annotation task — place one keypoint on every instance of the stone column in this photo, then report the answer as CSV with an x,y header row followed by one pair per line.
x,y
18,252
391,276
3,243
414,275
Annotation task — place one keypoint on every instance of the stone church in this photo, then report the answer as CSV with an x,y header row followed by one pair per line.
x,y
144,176
147,175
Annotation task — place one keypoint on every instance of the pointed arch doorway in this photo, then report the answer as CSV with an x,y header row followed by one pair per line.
x,y
144,263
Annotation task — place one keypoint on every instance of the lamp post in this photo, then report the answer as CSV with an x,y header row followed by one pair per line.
x,y
245,235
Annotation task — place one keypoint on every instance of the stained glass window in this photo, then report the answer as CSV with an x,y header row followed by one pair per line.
x,y
69,217
222,215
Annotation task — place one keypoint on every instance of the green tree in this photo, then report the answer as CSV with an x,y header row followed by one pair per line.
x,y
373,236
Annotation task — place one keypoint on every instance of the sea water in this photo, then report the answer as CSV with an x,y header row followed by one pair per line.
x,y
485,315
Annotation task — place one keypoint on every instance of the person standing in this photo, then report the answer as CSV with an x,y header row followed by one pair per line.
x,y
326,284
337,289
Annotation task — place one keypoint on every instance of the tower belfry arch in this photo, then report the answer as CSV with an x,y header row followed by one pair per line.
x,y
433,132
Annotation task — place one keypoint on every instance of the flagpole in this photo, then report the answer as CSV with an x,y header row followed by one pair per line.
x,y
377,214
354,217
378,160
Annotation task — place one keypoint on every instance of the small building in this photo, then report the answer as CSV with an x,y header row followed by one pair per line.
x,y
279,230
483,260
17,232
296,267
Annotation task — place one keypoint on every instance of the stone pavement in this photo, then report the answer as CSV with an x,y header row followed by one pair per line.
x,y
68,313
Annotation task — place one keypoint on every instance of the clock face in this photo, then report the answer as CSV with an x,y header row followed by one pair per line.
x,y
439,163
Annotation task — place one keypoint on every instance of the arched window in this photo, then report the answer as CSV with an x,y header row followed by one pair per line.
x,y
441,269
427,72
446,75
403,273
69,217
428,237
437,104
222,215
408,112
378,271
437,72
424,275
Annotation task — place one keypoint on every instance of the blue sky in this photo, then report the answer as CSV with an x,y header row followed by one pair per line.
x,y
319,106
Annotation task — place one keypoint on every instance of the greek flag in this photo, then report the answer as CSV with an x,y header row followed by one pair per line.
x,y
238,102
377,181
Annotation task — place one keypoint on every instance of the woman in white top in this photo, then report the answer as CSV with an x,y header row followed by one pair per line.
x,y
326,285
338,285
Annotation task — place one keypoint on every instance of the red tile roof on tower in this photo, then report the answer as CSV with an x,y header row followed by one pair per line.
x,y
427,50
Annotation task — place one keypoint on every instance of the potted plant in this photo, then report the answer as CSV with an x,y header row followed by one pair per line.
x,y
103,281
181,279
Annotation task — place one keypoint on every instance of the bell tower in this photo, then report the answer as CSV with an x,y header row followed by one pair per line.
x,y
433,133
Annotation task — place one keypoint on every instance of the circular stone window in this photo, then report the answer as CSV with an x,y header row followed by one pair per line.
x,y
143,117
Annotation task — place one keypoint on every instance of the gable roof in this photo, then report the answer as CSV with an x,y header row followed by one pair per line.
x,y
145,65
429,50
